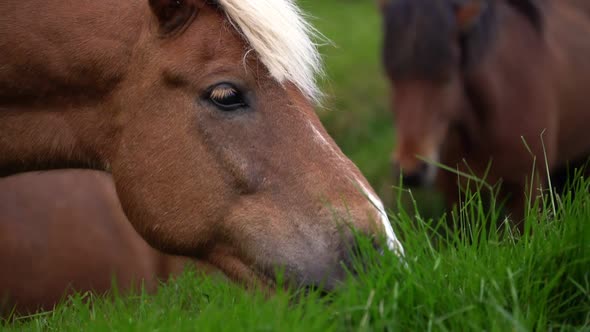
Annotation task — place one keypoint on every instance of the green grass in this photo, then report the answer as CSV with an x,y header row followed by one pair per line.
x,y
480,281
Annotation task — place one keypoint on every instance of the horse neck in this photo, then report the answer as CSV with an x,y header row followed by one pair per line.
x,y
50,139
57,72
581,5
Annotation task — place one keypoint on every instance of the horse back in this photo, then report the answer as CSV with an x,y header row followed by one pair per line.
x,y
65,231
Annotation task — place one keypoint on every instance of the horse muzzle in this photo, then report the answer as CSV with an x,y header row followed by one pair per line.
x,y
422,175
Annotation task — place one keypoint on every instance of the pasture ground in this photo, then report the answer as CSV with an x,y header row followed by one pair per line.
x,y
483,280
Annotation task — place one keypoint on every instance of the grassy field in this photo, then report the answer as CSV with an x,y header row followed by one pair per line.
x,y
481,281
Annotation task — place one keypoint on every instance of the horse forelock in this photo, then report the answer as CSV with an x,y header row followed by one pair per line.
x,y
284,41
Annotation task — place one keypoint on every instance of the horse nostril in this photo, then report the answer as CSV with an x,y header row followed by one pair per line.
x,y
412,180
417,178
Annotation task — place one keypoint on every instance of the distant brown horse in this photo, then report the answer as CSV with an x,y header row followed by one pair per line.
x,y
473,80
65,231
202,111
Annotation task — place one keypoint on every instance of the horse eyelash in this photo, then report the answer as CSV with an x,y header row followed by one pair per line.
x,y
222,93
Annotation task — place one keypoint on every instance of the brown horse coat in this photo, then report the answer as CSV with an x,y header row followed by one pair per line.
x,y
65,231
202,112
480,77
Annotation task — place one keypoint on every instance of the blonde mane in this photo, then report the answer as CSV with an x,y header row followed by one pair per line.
x,y
284,41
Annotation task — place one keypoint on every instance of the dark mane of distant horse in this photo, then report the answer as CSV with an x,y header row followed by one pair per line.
x,y
421,36
531,9
418,38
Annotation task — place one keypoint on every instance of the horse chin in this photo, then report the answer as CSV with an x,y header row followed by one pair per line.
x,y
241,272
269,278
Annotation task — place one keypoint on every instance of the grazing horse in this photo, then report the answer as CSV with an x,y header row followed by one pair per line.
x,y
473,80
202,112
64,231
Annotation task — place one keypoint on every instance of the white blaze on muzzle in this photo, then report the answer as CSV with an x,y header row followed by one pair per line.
x,y
392,242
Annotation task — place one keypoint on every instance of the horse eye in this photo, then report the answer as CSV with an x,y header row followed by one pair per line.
x,y
226,97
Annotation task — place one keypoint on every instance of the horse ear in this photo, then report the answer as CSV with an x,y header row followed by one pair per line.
x,y
382,4
172,14
468,13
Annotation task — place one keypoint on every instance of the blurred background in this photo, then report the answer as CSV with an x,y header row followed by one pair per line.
x,y
356,109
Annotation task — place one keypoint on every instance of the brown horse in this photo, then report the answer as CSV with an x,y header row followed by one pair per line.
x,y
473,79
202,111
65,231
